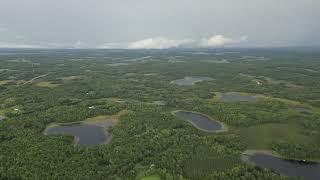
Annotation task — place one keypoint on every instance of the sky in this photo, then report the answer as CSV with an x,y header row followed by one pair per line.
x,y
139,24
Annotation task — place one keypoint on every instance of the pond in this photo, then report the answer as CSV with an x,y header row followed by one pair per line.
x,y
303,109
200,121
189,81
237,97
118,64
292,168
85,134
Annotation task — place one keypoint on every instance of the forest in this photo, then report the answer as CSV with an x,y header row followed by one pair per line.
x,y
40,87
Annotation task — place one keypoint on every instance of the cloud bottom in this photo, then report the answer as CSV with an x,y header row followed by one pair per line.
x,y
165,43
148,43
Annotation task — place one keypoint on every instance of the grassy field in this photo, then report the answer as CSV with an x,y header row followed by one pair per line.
x,y
264,135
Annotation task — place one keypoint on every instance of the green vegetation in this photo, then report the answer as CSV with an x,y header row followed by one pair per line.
x,y
148,141
151,178
265,135
305,151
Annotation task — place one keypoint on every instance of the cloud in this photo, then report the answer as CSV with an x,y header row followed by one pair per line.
x,y
158,43
220,41
216,41
149,43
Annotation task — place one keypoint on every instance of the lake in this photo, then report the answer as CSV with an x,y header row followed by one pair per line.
x,y
237,97
189,81
200,121
85,134
292,168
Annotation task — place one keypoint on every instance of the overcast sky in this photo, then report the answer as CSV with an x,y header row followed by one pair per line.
x,y
159,23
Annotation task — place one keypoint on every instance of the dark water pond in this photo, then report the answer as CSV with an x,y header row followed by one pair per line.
x,y
237,97
188,81
85,134
200,121
307,170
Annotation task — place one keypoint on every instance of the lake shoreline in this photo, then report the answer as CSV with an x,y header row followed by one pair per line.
x,y
251,152
224,127
105,124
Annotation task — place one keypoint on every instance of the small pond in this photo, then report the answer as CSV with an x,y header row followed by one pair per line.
x,y
118,64
201,121
189,81
303,109
292,168
237,97
85,134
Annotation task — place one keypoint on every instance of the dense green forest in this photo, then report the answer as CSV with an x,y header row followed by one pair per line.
x,y
41,87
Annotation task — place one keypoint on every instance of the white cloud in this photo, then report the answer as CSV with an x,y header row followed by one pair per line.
x,y
216,41
158,43
149,43
220,41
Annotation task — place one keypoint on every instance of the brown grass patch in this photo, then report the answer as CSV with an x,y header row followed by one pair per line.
x,y
47,84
